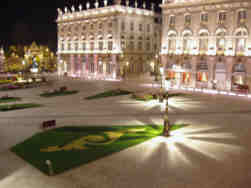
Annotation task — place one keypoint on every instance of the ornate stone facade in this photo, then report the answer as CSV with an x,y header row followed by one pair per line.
x,y
207,43
107,42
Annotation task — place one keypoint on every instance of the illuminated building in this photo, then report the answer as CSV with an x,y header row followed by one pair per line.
x,y
207,43
107,42
1,60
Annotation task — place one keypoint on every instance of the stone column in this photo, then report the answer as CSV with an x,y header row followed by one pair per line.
x,y
114,66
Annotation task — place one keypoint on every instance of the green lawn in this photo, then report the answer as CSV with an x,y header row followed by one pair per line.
x,y
110,93
10,107
70,147
9,99
59,93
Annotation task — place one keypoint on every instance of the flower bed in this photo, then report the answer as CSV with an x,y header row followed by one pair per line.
x,y
110,93
6,98
11,107
69,147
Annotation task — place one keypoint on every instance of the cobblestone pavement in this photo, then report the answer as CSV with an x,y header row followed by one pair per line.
x,y
214,151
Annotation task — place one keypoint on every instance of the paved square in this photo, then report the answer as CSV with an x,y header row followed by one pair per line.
x,y
214,151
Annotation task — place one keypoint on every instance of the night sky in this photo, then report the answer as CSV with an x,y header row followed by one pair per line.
x,y
25,21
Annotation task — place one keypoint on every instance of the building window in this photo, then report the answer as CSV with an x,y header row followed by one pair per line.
x,y
123,26
140,27
187,43
76,46
172,43
100,45
92,67
83,28
203,43
148,46
131,46
100,26
132,26
108,68
220,41
69,46
148,28
204,17
172,20
140,46
241,38
222,17
84,46
242,16
91,26
110,24
187,19
123,45
92,46
62,47
110,45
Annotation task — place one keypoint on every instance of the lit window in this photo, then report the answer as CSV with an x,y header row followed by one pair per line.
x,y
84,46
132,26
69,46
76,46
148,46
123,45
187,19
204,17
100,26
123,26
242,16
62,47
92,46
148,28
131,45
172,20
140,27
110,45
222,17
100,45
140,46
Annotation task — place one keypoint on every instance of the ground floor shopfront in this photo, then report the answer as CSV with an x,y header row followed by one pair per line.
x,y
209,72
89,66
104,66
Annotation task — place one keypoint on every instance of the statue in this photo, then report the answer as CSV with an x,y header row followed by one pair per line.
x,y
136,4
105,3
127,3
80,7
144,5
87,5
72,9
96,4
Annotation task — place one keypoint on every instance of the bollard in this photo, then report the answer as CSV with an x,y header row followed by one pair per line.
x,y
49,164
